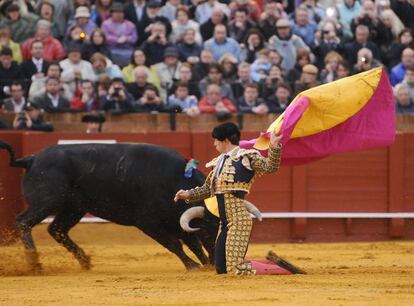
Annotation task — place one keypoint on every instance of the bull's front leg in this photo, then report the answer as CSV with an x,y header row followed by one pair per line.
x,y
169,241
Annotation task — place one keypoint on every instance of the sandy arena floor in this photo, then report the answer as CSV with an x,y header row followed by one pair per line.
x,y
130,269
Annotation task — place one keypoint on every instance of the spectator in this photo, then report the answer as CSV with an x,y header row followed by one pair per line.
x,y
5,41
83,20
138,58
229,67
308,79
329,42
215,76
276,58
365,61
9,72
254,41
53,100
156,43
261,66
392,29
200,69
46,11
151,16
409,80
38,85
183,101
243,79
118,99
303,27
53,48
405,40
361,41
343,70
221,44
88,99
286,43
268,19
186,76
188,48
404,101
74,69
36,67
101,11
250,101
121,35
150,101
182,24
303,58
31,119
103,66
348,10
404,10
134,12
207,28
63,10
252,8
329,72
398,71
169,9
21,28
94,122
137,88
96,44
16,102
280,100
315,10
214,102
241,24
368,16
75,36
268,85
167,71
204,11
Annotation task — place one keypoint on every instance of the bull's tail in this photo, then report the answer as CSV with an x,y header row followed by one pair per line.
x,y
25,162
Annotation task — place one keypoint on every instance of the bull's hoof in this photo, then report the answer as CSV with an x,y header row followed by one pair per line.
x,y
85,263
193,267
36,268
32,258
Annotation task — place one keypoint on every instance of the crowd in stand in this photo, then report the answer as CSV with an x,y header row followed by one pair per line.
x,y
227,56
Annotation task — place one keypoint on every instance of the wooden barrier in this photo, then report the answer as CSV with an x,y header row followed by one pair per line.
x,y
380,180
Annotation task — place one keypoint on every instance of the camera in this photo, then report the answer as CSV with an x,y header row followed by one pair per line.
x,y
363,59
116,92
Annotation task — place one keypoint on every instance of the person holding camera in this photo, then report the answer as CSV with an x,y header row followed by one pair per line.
x,y
156,43
117,99
31,119
150,101
366,61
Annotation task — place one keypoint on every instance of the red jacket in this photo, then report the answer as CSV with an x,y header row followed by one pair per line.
x,y
207,107
77,104
53,49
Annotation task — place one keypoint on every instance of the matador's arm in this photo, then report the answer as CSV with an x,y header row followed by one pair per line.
x,y
202,192
270,164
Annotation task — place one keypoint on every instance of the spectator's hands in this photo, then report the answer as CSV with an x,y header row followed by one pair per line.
x,y
193,111
221,108
85,98
29,121
122,39
261,109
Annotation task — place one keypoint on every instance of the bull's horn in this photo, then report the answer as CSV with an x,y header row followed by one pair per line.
x,y
253,210
190,214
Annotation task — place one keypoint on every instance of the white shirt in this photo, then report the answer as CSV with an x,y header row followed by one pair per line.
x,y
18,107
55,100
38,63
139,9
221,162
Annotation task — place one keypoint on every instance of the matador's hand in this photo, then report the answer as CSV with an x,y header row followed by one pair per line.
x,y
275,139
182,195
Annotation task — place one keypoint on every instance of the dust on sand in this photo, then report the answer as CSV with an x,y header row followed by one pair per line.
x,y
131,269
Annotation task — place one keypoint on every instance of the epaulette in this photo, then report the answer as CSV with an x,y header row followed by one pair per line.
x,y
212,163
247,152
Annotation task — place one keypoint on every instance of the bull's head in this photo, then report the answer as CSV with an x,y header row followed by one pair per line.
x,y
199,212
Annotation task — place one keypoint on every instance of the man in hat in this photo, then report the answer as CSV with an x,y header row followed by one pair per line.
x,y
83,20
168,70
232,175
121,35
31,119
94,122
75,69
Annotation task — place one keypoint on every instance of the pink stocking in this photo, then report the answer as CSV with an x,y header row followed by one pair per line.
x,y
267,267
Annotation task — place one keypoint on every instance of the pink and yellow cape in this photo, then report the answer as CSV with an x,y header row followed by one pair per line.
x,y
350,114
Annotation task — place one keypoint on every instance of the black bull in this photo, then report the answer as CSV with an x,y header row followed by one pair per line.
x,y
128,184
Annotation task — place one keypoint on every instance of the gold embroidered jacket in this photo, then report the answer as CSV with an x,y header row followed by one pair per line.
x,y
238,172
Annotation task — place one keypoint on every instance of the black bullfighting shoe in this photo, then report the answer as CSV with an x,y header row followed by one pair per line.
x,y
283,263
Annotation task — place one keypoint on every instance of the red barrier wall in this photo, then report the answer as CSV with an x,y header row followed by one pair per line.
x,y
380,180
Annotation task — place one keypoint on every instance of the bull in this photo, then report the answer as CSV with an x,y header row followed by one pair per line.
x,y
128,184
